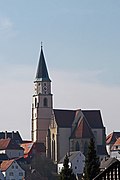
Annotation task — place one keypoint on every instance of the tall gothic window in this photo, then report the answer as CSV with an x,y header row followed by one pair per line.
x,y
45,102
53,148
77,146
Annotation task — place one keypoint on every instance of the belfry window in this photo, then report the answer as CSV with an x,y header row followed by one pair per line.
x,y
45,102
35,102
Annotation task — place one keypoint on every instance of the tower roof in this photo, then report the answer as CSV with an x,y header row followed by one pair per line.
x,y
42,72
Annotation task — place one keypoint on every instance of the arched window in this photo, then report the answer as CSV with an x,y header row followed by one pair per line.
x,y
53,147
35,102
45,102
77,146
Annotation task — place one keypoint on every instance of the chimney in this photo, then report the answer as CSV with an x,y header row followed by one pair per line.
x,y
5,134
12,134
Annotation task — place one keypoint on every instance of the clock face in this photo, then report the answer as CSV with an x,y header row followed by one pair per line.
x,y
45,88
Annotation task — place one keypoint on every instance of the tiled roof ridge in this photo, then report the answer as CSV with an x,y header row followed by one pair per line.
x,y
6,164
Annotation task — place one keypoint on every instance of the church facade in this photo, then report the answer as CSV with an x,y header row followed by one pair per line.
x,y
62,131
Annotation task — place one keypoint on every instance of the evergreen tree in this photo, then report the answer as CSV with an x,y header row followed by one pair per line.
x,y
91,162
66,172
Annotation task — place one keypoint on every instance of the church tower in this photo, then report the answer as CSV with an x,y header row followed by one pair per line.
x,y
42,102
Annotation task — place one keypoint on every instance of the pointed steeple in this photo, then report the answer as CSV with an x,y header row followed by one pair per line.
x,y
42,72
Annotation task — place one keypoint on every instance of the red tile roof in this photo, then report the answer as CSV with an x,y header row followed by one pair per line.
x,y
27,147
117,142
8,144
6,164
112,137
33,146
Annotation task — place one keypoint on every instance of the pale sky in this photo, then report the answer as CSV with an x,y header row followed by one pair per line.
x,y
81,42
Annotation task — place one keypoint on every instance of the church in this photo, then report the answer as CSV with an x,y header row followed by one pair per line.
x,y
62,131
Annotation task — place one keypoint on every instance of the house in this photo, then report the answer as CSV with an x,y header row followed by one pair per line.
x,y
12,170
76,162
115,149
111,139
109,169
11,148
32,148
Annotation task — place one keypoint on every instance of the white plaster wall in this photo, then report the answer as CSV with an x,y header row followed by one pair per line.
x,y
60,166
108,149
115,154
78,164
2,151
64,134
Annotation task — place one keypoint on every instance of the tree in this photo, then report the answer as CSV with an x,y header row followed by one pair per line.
x,y
66,172
92,163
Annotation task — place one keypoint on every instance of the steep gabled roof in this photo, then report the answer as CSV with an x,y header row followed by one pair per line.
x,y
112,137
33,145
94,118
71,156
82,130
27,147
115,145
64,118
8,144
42,72
6,164
106,162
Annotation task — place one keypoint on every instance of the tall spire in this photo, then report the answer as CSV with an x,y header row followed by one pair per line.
x,y
42,72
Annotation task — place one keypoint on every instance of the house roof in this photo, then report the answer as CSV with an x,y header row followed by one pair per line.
x,y
82,130
42,72
106,162
3,157
12,135
117,142
29,146
112,137
6,164
71,156
94,118
8,144
64,118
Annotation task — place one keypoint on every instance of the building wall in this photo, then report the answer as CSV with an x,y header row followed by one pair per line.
x,y
115,154
14,172
1,176
13,153
98,133
64,134
77,164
